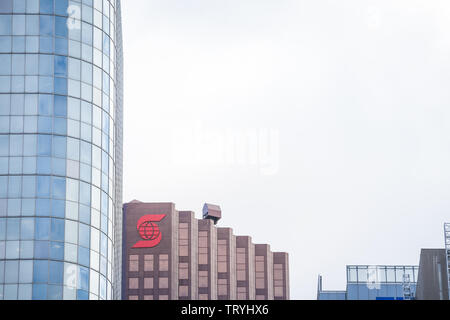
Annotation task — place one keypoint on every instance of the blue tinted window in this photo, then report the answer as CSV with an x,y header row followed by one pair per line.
x,y
3,165
16,145
43,186
58,208
60,126
60,66
83,256
106,83
84,235
14,186
18,44
19,25
105,162
87,33
103,265
6,6
85,193
16,124
29,145
14,207
32,64
32,44
73,149
60,106
29,165
55,292
45,125
59,188
106,23
46,45
82,295
56,272
5,25
3,186
5,44
363,292
83,278
4,145
5,64
86,76
26,249
12,252
102,287
104,204
5,84
106,44
104,223
46,6
17,84
86,132
57,230
85,214
44,145
46,26
57,251
19,6
61,46
32,26
29,187
43,207
13,229
103,245
39,291
352,292
85,172
11,271
42,229
45,105
26,271
28,207
61,7
61,86
61,26
2,231
17,103
59,147
27,229
46,65
18,64
105,126
59,166
44,165
31,104
40,272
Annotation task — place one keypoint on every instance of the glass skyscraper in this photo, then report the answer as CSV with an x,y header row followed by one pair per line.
x,y
60,149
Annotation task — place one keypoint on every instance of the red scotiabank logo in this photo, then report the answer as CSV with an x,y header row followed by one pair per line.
x,y
149,231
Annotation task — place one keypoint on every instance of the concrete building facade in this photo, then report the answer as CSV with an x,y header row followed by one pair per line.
x,y
171,255
432,282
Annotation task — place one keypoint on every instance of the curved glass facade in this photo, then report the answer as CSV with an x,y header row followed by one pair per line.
x,y
60,179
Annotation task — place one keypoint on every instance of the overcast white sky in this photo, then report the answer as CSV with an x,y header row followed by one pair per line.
x,y
350,102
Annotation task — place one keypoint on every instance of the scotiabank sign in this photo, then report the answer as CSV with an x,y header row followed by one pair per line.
x,y
149,231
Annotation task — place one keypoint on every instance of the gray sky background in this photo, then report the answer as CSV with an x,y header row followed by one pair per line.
x,y
357,93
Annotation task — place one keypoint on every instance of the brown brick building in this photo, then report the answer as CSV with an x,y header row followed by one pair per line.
x,y
171,255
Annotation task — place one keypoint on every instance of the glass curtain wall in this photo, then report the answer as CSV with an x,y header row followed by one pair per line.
x,y
58,126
